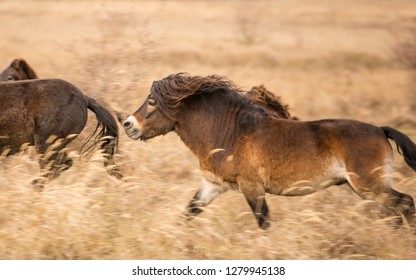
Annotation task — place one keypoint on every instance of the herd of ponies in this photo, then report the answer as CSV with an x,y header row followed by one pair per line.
x,y
244,141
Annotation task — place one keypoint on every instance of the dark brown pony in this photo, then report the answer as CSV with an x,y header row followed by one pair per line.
x,y
243,147
36,111
18,70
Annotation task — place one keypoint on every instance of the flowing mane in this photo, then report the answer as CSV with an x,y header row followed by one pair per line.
x,y
18,69
172,90
261,96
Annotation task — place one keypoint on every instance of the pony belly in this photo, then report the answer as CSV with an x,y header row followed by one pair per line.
x,y
308,187
306,182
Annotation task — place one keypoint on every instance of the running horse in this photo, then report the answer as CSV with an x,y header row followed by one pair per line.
x,y
49,114
242,146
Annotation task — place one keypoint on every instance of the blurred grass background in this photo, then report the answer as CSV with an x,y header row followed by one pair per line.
x,y
327,59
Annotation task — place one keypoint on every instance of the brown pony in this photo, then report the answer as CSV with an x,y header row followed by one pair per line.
x,y
18,69
33,111
243,147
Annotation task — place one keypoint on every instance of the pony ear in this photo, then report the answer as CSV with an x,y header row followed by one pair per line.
x,y
21,64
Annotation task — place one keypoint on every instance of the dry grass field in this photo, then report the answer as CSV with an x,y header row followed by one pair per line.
x,y
327,59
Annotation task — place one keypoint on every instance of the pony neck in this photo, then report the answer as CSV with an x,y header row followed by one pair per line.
x,y
210,122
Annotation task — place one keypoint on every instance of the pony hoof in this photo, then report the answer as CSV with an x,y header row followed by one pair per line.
x,y
187,216
183,220
115,172
264,225
38,184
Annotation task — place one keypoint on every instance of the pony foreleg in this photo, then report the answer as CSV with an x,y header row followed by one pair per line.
x,y
255,196
204,196
53,165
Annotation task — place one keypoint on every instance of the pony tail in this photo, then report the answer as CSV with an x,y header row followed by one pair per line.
x,y
405,145
107,135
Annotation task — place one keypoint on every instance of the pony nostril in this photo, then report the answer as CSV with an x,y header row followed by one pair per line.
x,y
127,124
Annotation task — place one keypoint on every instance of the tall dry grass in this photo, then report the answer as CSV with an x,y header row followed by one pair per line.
x,y
326,59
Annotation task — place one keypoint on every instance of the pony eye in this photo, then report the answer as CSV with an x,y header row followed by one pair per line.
x,y
151,102
11,78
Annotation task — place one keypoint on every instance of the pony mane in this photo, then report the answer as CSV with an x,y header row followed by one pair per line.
x,y
21,66
170,92
261,96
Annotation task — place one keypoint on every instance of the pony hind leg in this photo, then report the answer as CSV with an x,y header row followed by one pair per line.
x,y
374,186
403,204
53,156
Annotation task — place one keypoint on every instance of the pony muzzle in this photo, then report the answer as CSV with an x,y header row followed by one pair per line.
x,y
132,128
